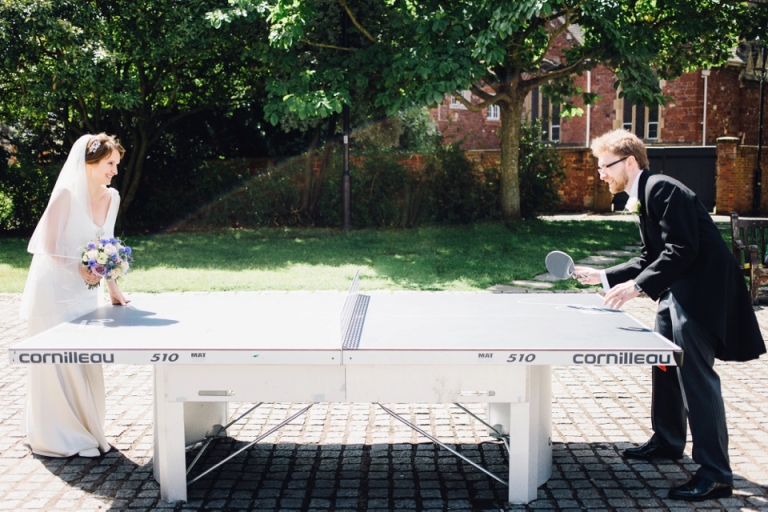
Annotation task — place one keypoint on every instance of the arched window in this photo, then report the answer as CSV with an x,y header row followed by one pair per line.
x,y
549,115
494,113
641,120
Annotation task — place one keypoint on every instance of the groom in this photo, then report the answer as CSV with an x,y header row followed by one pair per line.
x,y
703,307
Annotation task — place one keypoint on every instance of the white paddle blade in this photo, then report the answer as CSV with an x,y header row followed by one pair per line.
x,y
559,264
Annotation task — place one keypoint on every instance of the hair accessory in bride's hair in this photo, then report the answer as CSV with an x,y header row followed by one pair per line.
x,y
94,146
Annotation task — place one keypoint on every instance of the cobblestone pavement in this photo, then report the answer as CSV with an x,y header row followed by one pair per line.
x,y
355,457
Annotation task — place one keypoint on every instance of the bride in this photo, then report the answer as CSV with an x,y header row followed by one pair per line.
x,y
66,402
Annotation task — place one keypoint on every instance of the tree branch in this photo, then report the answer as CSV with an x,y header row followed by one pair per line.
x,y
355,22
554,74
488,99
480,93
328,46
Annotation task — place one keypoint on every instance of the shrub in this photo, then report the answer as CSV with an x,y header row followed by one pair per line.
x,y
25,188
6,211
541,173
199,193
377,184
267,197
457,190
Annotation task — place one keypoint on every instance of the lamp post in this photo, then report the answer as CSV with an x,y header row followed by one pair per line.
x,y
346,181
758,169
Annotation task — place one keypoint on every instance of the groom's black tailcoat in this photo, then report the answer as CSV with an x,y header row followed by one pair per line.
x,y
684,252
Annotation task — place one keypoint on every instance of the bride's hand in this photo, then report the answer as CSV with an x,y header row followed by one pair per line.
x,y
116,297
88,276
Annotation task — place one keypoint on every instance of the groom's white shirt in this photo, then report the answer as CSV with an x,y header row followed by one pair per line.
x,y
632,195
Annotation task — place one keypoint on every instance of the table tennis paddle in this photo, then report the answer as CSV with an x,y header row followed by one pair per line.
x,y
560,265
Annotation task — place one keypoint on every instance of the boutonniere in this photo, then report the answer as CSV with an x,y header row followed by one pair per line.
x,y
633,205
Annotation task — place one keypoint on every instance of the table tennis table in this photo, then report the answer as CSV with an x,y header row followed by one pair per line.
x,y
375,347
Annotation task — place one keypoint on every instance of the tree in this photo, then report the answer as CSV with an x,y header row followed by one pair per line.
x,y
414,52
309,83
127,67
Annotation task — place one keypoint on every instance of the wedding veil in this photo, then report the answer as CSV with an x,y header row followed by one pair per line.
x,y
55,292
69,202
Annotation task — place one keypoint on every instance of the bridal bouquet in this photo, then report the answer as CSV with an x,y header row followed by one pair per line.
x,y
107,257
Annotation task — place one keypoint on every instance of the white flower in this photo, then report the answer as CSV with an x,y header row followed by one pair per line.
x,y
633,205
102,258
110,249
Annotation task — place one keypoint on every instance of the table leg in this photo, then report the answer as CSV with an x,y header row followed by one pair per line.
x,y
530,427
169,462
543,399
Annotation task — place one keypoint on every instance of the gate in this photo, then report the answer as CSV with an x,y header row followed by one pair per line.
x,y
694,167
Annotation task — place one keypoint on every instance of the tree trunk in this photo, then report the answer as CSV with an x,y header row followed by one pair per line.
x,y
511,121
132,175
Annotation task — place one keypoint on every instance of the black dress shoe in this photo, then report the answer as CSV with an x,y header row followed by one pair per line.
x,y
651,450
700,489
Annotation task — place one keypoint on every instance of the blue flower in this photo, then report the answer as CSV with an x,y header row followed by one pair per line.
x,y
91,246
127,250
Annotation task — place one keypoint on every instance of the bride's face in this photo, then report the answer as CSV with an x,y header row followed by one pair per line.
x,y
102,172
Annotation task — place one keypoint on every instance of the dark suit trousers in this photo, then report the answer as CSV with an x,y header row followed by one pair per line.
x,y
706,415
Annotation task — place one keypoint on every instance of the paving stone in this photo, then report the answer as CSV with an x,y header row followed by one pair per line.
x,y
596,259
547,277
503,288
537,285
618,254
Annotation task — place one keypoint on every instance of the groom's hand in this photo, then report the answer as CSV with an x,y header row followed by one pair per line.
x,y
586,275
620,294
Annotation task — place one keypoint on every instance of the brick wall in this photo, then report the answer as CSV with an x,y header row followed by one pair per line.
x,y
724,94
582,190
748,102
735,177
683,118
473,129
603,113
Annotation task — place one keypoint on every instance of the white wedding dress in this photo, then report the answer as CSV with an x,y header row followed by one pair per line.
x,y
66,404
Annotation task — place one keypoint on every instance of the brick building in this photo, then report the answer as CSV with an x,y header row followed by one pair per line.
x,y
707,104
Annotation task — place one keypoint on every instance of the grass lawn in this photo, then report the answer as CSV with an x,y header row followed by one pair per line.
x,y
455,258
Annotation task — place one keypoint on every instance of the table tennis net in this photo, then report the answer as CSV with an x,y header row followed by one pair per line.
x,y
353,315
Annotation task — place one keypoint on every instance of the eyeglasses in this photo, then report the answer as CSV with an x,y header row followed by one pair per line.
x,y
603,168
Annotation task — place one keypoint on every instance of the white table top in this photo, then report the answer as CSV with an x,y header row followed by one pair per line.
x,y
305,328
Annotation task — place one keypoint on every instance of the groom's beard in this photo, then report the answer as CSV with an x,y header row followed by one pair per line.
x,y
619,183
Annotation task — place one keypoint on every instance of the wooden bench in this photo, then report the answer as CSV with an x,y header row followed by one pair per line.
x,y
749,238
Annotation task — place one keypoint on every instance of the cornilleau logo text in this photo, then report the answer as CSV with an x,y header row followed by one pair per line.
x,y
623,358
66,357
